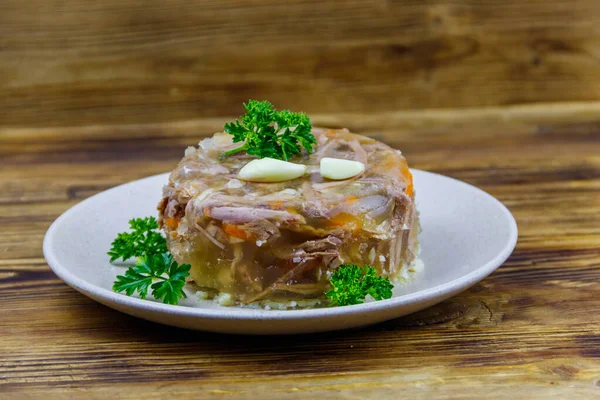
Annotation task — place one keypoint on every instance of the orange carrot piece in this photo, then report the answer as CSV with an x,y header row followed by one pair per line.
x,y
277,204
347,220
172,223
233,230
351,200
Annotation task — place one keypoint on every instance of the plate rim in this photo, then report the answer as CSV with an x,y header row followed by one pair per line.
x,y
458,284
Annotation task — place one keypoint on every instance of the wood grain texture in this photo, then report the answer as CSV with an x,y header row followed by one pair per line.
x,y
529,331
125,61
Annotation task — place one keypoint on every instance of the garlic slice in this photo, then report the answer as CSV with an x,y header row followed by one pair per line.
x,y
270,170
339,169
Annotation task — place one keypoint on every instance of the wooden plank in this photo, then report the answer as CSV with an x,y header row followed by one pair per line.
x,y
580,118
529,331
137,62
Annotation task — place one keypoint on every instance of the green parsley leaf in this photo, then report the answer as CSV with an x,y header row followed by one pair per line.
x,y
267,132
163,270
145,240
351,284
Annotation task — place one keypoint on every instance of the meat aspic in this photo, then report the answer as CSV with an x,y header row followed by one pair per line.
x,y
282,241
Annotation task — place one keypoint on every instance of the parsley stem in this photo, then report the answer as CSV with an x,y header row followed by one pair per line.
x,y
236,150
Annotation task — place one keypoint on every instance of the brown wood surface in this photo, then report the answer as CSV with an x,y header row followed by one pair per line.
x,y
82,62
529,331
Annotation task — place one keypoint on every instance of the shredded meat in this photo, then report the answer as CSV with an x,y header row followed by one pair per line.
x,y
325,246
248,214
261,229
282,240
359,151
209,236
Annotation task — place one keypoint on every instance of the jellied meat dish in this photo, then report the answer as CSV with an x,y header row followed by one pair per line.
x,y
282,241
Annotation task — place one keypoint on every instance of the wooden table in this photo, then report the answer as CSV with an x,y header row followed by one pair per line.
x,y
530,331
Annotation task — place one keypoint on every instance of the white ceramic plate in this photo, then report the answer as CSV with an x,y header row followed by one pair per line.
x,y
467,234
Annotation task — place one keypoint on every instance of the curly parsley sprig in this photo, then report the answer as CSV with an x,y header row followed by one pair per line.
x,y
160,273
155,269
145,240
351,284
267,132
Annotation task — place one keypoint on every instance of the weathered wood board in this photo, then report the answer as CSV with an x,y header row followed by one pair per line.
x,y
125,61
529,331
